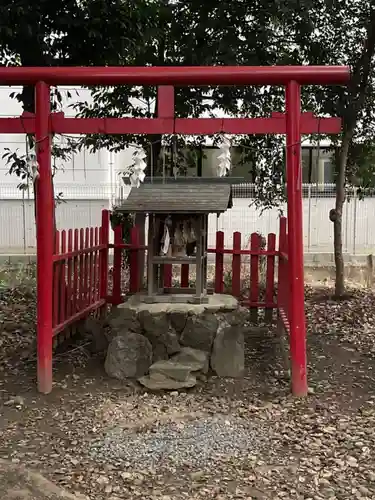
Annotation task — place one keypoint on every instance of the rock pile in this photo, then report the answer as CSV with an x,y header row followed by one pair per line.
x,y
170,346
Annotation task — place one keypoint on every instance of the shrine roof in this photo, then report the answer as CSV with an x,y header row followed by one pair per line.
x,y
179,198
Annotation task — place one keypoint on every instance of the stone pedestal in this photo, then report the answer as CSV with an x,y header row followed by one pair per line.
x,y
181,341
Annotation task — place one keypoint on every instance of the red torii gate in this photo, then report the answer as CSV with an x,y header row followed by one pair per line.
x,y
293,123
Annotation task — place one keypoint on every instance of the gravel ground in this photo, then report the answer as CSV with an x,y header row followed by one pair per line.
x,y
175,443
240,439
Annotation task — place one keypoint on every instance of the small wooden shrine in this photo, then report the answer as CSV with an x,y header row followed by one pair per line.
x,y
177,232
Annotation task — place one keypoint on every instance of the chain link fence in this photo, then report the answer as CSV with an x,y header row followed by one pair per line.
x,y
83,203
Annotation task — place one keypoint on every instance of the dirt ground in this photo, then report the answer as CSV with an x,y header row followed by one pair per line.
x,y
321,447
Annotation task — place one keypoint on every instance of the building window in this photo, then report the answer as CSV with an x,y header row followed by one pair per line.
x,y
327,172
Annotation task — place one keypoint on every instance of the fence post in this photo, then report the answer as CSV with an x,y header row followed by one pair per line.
x,y
309,220
103,263
270,277
134,260
346,226
236,265
62,281
56,280
219,262
117,266
255,246
282,275
185,276
354,219
140,222
168,275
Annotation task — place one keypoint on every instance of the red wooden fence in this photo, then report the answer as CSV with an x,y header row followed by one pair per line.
x,y
243,269
80,274
283,283
134,282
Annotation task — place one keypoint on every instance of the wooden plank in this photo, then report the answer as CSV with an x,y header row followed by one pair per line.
x,y
236,265
150,255
270,277
188,291
185,276
56,280
255,240
199,259
159,259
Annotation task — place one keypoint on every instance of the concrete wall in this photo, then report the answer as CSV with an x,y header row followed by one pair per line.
x,y
17,228
90,182
358,225
358,228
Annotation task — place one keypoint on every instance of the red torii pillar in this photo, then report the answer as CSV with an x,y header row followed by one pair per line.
x,y
43,124
295,240
45,232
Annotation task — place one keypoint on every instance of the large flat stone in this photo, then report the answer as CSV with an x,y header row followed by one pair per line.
x,y
189,355
175,370
216,302
157,381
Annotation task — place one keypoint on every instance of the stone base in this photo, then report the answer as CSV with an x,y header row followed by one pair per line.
x,y
168,345
180,298
216,302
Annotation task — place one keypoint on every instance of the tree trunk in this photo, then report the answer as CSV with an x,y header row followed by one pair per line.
x,y
336,215
339,259
357,92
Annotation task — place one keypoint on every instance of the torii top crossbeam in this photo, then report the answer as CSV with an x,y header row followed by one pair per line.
x,y
167,78
177,76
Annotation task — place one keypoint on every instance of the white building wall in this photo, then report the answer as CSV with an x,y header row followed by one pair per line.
x,y
89,183
17,230
83,168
